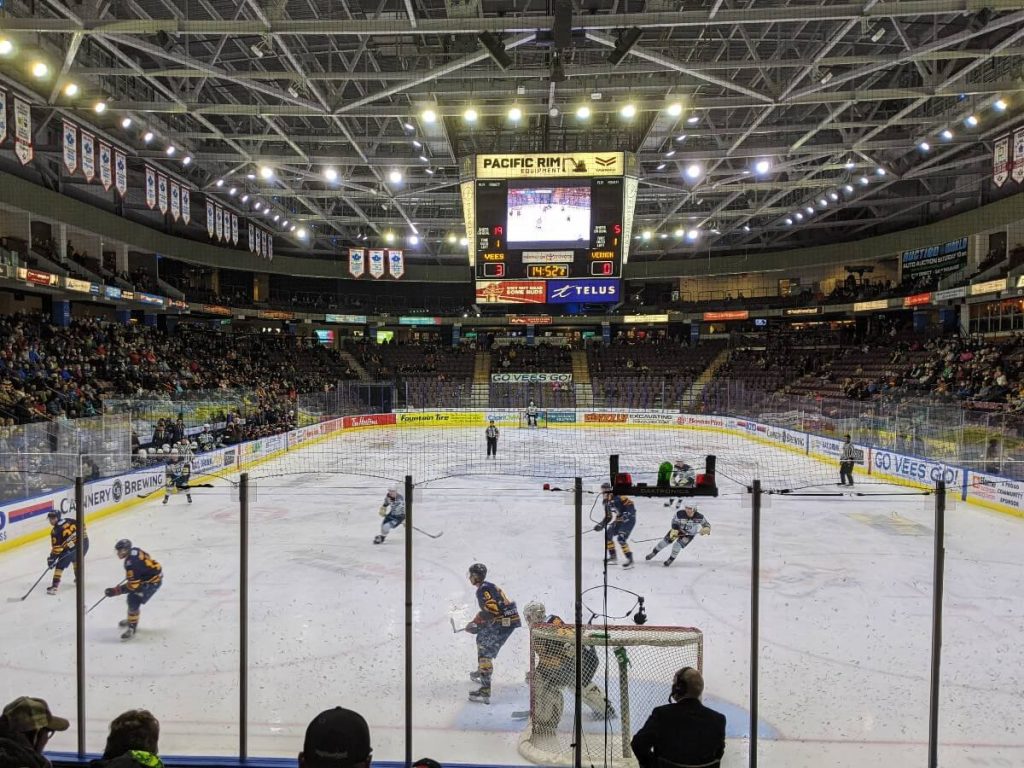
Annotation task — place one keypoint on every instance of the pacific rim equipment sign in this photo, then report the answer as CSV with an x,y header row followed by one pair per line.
x,y
550,165
935,260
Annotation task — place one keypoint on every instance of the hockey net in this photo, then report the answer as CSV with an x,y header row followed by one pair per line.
x,y
542,419
627,672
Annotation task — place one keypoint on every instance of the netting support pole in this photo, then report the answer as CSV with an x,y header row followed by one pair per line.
x,y
408,619
243,617
938,577
755,610
80,613
613,467
577,723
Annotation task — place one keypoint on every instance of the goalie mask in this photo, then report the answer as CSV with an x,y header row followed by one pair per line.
x,y
534,612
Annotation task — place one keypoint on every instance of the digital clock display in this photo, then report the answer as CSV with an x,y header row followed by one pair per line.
x,y
548,271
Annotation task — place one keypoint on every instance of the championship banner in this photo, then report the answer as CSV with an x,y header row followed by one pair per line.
x,y
70,146
234,229
88,156
120,173
175,201
3,115
1017,166
550,165
259,243
219,223
1001,160
252,238
161,190
23,131
356,262
270,246
106,175
209,218
186,205
396,263
150,188
376,264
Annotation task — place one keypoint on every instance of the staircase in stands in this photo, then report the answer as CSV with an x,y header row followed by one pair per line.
x,y
354,364
581,380
480,395
691,399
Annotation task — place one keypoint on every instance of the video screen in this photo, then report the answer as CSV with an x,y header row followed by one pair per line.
x,y
548,215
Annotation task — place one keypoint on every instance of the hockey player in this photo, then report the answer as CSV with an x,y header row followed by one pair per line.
x,y
393,512
179,472
618,522
492,440
206,440
531,414
555,669
686,524
143,576
63,540
683,475
492,625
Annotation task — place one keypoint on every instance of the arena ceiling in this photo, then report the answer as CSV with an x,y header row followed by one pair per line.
x,y
855,111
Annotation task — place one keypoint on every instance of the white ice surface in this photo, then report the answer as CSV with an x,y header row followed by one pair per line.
x,y
845,609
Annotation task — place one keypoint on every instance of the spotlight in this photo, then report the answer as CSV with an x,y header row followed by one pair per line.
x,y
395,177
670,153
266,172
849,164
583,113
763,166
170,150
661,166
810,210
330,174
414,240
250,176
1000,105
834,196
693,120
463,242
424,158
675,109
409,127
789,222
147,137
416,143
302,234
258,206
626,40
284,223
245,198
693,235
515,114
798,216
40,70
972,121
823,202
470,115
220,182
126,123
628,111
389,237
429,171
924,146
679,232
947,135
663,236
880,171
646,234
693,171
232,191
495,49
6,47
848,188
428,116
864,181
277,217
71,90
451,238
292,229
100,107
186,160
746,227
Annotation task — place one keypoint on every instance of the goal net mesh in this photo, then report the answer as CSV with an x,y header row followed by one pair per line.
x,y
627,672
541,420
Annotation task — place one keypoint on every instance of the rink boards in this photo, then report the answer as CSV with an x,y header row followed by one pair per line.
x,y
25,520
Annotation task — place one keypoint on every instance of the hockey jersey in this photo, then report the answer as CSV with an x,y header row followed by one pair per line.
x,y
495,607
139,569
689,526
64,536
621,509
396,506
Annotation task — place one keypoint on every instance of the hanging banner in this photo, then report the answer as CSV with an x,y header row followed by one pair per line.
x,y
150,188
356,262
259,243
23,131
1017,170
106,174
120,173
175,201
220,223
270,246
209,218
70,146
234,229
186,205
3,115
1001,160
396,263
88,156
376,264
161,189
252,238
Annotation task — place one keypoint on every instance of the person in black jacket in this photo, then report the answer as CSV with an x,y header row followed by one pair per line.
x,y
132,742
683,733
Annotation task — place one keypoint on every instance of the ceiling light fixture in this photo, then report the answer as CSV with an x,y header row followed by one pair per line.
x,y
675,109
414,240
693,120
947,135
266,172
694,170
849,189
186,160
330,174
679,232
515,114
428,116
170,150
693,235
924,146
470,115
880,171
463,242
661,166
232,191
100,107
849,164
40,70
302,234
864,181
583,113
810,210
245,198
628,111
763,166
646,234
126,123
798,216
389,237
834,196
1000,105
789,222
71,89
147,137
972,120
220,182
395,177
6,47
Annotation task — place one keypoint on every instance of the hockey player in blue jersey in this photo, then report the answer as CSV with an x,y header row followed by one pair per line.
x,y
143,576
63,541
618,522
686,524
179,472
497,618
393,512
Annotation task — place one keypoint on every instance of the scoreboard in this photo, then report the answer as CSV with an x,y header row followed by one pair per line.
x,y
555,226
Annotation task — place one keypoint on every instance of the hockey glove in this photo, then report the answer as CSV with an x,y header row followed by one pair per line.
x,y
113,591
51,561
383,511
705,530
472,628
672,535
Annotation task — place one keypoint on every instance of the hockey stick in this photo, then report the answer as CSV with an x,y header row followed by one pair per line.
x,y
454,630
104,597
31,589
186,488
521,714
431,535
147,495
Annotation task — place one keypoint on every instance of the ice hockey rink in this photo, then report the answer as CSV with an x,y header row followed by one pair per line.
x,y
548,224
845,604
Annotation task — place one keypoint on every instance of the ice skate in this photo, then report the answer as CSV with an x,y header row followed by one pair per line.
x,y
51,590
475,676
378,539
123,623
650,555
166,498
129,633
189,497
628,563
669,562
482,695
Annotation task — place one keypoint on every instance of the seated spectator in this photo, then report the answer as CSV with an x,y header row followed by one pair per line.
x,y
683,733
337,738
25,728
132,742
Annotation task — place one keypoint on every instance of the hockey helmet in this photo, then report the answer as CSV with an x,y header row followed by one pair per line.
x,y
165,447
688,508
53,514
122,545
606,487
143,452
392,493
479,570
174,451
534,612
682,465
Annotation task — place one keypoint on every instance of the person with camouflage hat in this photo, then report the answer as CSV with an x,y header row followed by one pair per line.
x,y
25,728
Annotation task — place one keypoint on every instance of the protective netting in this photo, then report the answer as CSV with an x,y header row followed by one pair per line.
x,y
627,672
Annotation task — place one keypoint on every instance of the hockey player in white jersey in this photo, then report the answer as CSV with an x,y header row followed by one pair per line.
x,y
686,524
393,512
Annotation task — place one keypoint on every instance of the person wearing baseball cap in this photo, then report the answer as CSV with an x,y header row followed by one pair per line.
x,y
25,727
337,738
